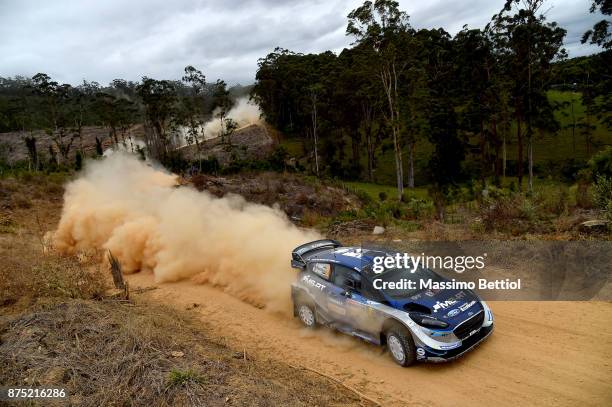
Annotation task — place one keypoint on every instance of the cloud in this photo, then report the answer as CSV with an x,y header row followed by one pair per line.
x,y
101,41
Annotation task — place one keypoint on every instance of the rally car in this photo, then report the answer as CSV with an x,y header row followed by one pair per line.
x,y
335,287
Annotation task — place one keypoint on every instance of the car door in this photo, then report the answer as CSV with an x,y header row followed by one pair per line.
x,y
358,313
327,296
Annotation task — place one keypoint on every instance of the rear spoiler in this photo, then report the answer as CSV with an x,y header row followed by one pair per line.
x,y
297,259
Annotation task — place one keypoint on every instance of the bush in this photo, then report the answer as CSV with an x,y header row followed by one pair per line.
x,y
582,196
601,163
419,208
382,195
602,192
553,199
182,377
363,196
277,159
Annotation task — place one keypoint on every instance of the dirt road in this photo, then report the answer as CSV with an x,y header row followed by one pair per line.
x,y
542,353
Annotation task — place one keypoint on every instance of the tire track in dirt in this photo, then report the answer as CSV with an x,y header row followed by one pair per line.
x,y
541,353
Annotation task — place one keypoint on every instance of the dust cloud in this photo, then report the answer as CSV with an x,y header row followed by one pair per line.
x,y
244,112
137,212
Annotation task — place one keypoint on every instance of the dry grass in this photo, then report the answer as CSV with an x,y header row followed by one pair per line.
x,y
58,329
110,353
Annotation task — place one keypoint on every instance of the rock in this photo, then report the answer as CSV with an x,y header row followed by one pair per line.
x,y
378,230
594,226
177,354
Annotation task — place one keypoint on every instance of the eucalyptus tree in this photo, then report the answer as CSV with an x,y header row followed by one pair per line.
x,y
221,104
443,93
528,45
193,108
598,101
480,93
56,101
159,98
382,26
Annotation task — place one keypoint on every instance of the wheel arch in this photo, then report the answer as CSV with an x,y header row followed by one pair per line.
x,y
387,325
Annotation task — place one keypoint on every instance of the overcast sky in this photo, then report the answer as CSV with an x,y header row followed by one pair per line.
x,y
107,39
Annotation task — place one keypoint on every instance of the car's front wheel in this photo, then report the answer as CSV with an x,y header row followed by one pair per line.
x,y
306,314
401,345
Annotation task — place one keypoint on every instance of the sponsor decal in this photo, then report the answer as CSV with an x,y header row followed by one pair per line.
x,y
351,252
443,305
420,352
429,293
453,312
313,283
466,306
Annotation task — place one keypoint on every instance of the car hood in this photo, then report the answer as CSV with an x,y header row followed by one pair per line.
x,y
452,306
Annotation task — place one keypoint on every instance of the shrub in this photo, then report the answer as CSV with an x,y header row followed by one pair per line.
x,y
182,377
553,199
382,195
277,159
364,197
528,210
419,208
602,192
582,196
601,163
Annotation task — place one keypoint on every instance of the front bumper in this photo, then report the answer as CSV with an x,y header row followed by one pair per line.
x,y
470,343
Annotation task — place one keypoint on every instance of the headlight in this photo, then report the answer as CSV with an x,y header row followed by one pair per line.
x,y
424,320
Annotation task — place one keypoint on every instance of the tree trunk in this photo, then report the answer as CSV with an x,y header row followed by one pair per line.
x,y
483,155
367,129
411,147
314,133
389,79
530,158
519,137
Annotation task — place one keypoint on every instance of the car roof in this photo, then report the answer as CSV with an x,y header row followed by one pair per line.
x,y
353,257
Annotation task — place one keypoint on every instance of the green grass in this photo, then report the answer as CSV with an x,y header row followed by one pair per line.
x,y
373,190
181,377
293,146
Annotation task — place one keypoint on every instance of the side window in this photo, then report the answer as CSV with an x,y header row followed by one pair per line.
x,y
322,270
346,278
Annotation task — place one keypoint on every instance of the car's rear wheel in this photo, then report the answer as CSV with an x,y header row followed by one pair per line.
x,y
306,314
401,345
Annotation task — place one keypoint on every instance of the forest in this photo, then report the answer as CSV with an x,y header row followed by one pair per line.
x,y
464,97
401,106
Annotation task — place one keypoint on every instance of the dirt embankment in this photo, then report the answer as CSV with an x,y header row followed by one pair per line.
x,y
251,142
290,192
16,149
